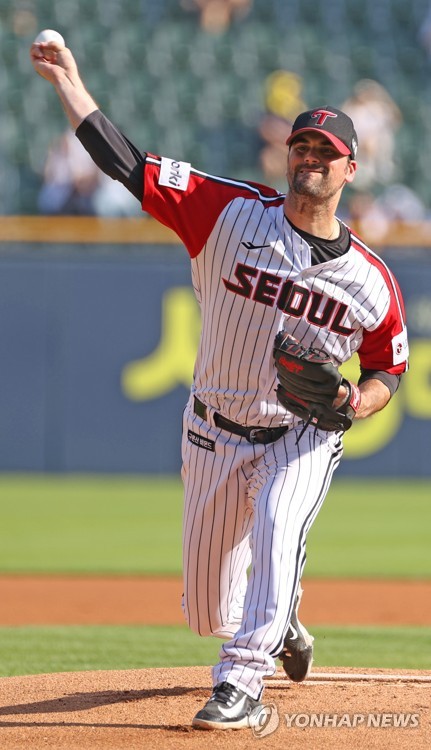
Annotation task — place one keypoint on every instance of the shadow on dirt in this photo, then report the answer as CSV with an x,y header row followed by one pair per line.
x,y
87,701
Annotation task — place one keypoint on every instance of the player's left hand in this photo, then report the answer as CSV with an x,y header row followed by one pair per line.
x,y
311,387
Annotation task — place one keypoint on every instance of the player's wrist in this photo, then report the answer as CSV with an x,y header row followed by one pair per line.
x,y
68,78
351,400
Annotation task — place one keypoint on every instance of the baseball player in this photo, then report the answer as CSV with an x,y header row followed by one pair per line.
x,y
258,451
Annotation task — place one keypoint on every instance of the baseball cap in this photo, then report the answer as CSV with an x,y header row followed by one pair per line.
x,y
335,125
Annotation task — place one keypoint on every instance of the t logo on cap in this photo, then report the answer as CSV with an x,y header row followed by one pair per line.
x,y
321,115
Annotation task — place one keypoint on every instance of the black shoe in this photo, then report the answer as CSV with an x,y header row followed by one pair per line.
x,y
228,708
297,653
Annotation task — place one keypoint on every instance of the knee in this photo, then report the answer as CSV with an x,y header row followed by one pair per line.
x,y
199,622
204,627
199,625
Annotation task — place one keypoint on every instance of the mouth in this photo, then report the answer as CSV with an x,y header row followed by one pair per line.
x,y
311,170
305,171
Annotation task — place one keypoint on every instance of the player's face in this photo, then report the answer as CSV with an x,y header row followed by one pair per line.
x,y
316,169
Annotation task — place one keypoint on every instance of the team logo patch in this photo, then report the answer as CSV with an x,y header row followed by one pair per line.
x,y
200,441
400,347
174,174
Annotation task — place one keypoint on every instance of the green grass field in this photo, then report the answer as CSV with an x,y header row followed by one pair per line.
x,y
133,525
118,525
39,650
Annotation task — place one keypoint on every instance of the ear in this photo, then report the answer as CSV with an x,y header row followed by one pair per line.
x,y
351,170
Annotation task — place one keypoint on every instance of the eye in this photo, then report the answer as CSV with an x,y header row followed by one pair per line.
x,y
328,152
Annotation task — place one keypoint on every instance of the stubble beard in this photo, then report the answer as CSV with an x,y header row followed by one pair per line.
x,y
309,185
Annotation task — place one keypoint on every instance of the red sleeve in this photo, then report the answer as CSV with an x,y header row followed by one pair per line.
x,y
188,201
386,347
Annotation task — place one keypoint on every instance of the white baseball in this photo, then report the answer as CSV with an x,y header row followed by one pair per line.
x,y
49,35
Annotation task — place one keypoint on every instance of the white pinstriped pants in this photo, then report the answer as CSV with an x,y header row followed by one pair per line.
x,y
248,507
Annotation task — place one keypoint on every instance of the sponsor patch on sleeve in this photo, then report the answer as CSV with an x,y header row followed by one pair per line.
x,y
400,347
174,174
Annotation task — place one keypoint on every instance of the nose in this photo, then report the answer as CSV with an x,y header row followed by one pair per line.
x,y
311,155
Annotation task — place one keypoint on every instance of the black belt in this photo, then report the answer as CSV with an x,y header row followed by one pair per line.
x,y
253,434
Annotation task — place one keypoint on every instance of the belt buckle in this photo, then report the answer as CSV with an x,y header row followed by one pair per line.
x,y
252,435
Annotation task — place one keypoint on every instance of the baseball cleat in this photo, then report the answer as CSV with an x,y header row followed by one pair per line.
x,y
229,708
297,652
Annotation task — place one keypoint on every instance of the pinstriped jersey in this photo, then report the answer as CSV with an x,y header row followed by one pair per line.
x,y
253,275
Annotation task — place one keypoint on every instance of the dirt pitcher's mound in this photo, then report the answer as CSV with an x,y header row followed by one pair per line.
x,y
153,708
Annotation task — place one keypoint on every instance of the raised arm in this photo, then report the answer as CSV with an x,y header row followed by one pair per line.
x,y
113,153
57,65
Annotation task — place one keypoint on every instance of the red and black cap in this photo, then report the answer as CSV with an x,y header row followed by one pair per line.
x,y
335,125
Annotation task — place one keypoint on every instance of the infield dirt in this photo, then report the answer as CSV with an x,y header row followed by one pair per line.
x,y
92,600
153,708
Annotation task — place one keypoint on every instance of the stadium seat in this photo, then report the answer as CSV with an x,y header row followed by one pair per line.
x,y
150,64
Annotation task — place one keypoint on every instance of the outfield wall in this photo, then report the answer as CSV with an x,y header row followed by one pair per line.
x,y
97,347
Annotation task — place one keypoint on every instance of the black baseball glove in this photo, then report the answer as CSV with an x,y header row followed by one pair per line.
x,y
309,383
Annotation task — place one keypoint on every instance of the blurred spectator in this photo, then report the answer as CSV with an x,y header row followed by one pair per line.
x,y
372,217
217,15
367,217
73,185
70,178
112,199
377,119
400,203
283,102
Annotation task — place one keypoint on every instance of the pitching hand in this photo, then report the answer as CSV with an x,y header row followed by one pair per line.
x,y
58,66
53,62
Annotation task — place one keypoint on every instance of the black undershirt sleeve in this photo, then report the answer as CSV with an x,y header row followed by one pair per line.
x,y
391,381
113,153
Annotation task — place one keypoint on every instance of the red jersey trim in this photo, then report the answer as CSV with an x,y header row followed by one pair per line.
x,y
193,212
375,352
